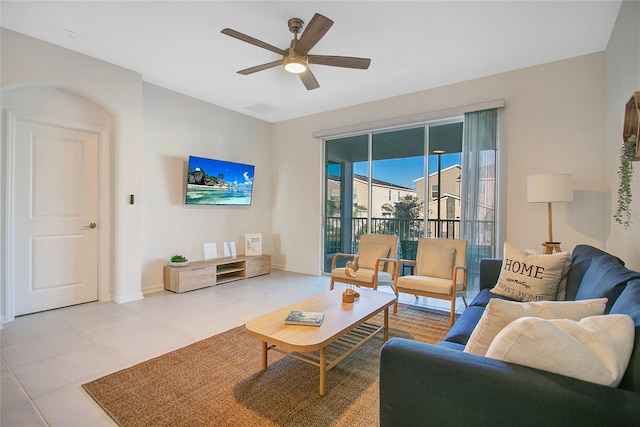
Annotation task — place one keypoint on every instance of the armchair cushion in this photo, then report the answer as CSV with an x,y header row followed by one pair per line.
x,y
526,276
363,275
370,253
594,349
427,284
436,261
499,313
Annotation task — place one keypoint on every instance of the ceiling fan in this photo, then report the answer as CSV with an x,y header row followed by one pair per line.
x,y
296,58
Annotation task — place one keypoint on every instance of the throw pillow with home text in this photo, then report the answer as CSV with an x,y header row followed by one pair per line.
x,y
527,276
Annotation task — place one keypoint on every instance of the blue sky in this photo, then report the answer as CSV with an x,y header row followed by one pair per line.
x,y
404,171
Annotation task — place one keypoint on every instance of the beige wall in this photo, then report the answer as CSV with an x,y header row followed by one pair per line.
x,y
622,79
553,121
176,126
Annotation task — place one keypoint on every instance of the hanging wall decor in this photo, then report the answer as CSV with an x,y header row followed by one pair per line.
x,y
632,122
629,152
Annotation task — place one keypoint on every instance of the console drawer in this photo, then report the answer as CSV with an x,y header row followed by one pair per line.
x,y
258,266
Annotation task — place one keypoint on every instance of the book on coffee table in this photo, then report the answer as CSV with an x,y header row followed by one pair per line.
x,y
304,318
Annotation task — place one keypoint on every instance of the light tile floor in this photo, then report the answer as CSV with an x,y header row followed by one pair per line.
x,y
47,356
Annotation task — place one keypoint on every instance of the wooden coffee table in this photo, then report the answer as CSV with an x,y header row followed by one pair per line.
x,y
344,329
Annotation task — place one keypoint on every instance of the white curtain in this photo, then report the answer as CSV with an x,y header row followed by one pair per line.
x,y
479,164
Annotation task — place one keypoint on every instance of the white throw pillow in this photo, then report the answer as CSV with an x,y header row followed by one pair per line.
x,y
526,276
595,349
436,261
370,253
499,313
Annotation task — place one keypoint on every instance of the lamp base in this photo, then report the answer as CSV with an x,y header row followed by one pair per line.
x,y
550,247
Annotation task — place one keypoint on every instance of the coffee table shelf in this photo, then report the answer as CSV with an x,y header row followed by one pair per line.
x,y
338,350
346,328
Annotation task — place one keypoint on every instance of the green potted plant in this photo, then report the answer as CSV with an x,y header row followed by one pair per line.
x,y
625,173
178,260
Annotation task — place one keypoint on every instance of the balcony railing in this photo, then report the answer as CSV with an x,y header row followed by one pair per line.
x,y
405,229
408,232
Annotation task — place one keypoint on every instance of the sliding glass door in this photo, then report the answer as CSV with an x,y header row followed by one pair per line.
x,y
410,182
346,187
370,187
376,183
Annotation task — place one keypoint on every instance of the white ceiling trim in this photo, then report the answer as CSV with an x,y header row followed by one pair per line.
x,y
408,120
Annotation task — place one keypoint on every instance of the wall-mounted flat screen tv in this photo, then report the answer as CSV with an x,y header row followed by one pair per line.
x,y
218,182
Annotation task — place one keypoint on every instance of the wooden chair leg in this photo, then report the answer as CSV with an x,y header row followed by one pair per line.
x,y
331,284
453,312
394,287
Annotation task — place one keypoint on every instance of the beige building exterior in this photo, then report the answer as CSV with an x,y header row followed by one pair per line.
x,y
449,193
381,193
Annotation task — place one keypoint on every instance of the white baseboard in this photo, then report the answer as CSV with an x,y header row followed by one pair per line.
x,y
293,270
152,289
121,299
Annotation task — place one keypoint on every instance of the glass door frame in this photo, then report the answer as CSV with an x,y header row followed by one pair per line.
x,y
345,214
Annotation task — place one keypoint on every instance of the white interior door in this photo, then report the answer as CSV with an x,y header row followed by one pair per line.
x,y
55,206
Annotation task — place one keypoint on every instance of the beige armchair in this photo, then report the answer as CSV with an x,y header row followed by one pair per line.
x,y
440,271
377,261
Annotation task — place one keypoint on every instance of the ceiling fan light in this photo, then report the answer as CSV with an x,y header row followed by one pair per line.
x,y
295,65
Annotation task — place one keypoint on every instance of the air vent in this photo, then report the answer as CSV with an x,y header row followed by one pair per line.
x,y
262,108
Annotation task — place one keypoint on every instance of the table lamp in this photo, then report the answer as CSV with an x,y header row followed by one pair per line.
x,y
547,189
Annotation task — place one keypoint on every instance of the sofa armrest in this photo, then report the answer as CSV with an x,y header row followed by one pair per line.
x,y
422,384
489,272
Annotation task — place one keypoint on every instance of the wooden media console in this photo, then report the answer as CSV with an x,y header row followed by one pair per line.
x,y
202,274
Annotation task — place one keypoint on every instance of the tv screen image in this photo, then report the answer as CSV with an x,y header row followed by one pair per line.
x,y
218,182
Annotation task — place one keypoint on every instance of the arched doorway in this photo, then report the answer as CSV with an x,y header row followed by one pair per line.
x,y
55,169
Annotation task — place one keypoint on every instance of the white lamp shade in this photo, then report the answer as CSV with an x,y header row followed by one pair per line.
x,y
549,188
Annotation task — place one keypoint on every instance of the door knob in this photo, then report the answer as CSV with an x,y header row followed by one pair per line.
x,y
91,225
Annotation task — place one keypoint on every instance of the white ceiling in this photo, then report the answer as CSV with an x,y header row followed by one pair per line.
x,y
413,45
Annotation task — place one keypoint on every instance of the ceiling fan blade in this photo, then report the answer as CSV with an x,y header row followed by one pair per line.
x,y
340,61
253,41
309,80
257,68
317,28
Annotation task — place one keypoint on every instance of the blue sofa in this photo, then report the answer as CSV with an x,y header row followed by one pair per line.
x,y
423,384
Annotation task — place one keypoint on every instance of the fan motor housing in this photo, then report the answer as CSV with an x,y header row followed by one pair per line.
x,y
296,25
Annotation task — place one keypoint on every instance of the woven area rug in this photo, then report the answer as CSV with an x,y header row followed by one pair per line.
x,y
219,382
